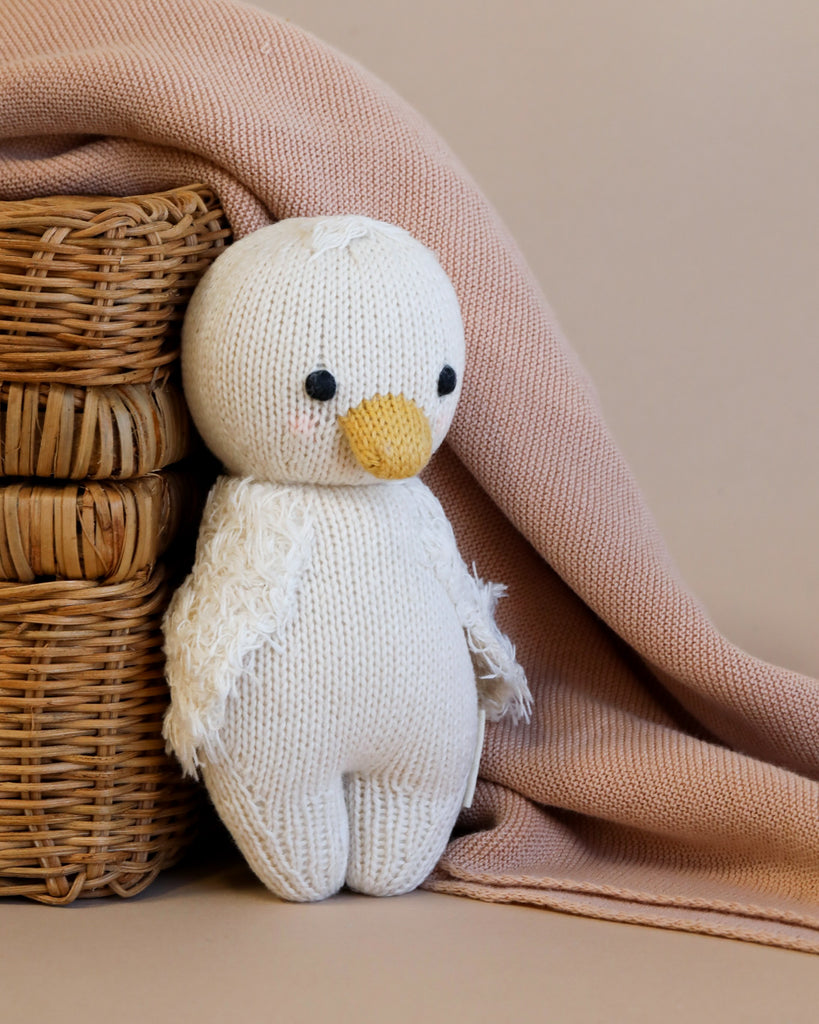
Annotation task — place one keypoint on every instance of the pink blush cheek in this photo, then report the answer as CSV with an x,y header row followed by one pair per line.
x,y
303,425
441,423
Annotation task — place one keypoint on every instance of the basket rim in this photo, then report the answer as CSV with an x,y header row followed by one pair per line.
x,y
17,210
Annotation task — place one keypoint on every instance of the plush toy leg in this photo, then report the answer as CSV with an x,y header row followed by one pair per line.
x,y
397,834
296,841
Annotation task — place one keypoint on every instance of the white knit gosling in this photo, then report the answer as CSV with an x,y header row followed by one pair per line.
x,y
330,652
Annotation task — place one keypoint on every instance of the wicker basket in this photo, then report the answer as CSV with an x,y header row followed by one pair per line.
x,y
94,530
92,291
99,433
90,804
92,288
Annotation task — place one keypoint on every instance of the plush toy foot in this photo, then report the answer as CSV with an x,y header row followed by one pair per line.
x,y
297,845
396,835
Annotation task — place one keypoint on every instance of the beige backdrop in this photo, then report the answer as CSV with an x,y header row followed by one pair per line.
x,y
658,164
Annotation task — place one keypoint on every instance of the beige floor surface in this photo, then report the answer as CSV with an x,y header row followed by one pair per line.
x,y
207,944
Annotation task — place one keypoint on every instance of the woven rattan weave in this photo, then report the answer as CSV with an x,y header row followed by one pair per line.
x,y
92,291
90,804
77,433
91,530
91,288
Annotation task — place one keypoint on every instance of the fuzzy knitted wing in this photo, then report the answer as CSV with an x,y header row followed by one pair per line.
x,y
254,544
501,681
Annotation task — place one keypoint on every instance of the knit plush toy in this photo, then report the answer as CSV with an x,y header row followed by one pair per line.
x,y
330,656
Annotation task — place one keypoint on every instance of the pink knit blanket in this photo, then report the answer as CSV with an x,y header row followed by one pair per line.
x,y
666,777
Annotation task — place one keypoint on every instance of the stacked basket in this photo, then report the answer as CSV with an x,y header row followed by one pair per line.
x,y
92,291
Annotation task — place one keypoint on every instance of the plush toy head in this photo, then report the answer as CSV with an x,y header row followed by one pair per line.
x,y
351,359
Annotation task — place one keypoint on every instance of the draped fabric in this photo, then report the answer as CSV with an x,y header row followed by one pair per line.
x,y
666,777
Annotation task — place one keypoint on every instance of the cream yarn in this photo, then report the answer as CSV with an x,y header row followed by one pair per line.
x,y
330,652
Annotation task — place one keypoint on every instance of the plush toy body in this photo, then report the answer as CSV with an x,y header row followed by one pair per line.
x,y
330,652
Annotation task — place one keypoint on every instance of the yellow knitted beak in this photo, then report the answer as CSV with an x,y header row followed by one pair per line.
x,y
390,436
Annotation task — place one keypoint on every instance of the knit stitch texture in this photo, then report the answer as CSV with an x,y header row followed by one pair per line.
x,y
330,652
666,776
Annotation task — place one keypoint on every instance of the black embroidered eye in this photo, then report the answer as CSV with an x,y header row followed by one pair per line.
x,y
447,379
321,385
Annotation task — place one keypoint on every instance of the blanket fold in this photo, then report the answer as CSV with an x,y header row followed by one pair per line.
x,y
666,777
